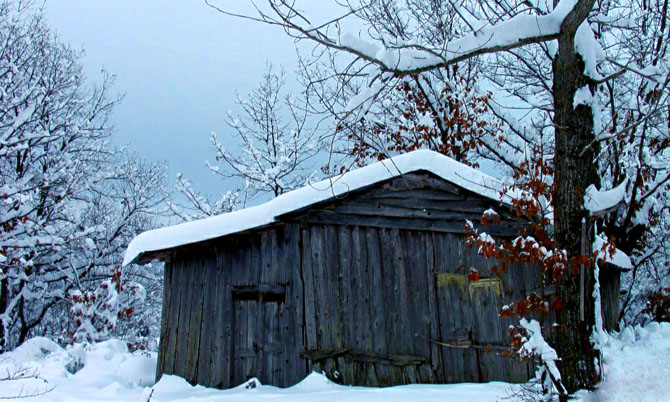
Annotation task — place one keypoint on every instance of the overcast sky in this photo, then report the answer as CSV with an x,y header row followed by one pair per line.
x,y
178,63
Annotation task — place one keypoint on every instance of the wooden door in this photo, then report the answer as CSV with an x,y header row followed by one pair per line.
x,y
257,337
456,327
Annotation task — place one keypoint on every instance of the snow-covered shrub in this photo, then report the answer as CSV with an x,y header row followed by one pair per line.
x,y
142,329
97,312
532,345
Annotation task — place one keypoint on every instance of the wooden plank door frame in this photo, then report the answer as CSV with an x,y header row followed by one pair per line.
x,y
261,293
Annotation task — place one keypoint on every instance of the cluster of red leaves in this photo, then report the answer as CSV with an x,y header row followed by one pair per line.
x,y
531,304
97,299
139,344
517,337
534,245
8,226
490,217
456,126
473,275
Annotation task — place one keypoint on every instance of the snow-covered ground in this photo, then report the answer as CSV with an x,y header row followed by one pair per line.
x,y
637,368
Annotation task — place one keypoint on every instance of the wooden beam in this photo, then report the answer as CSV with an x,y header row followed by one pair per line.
x,y
394,360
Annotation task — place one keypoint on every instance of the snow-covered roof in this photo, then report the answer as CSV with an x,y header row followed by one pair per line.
x,y
618,258
601,202
264,214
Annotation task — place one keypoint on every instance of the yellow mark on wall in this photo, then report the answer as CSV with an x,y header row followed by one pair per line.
x,y
460,280
486,284
446,280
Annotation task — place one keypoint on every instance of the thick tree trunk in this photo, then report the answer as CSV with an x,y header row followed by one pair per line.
x,y
576,168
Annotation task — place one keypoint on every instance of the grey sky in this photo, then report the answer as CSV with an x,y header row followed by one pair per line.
x,y
178,63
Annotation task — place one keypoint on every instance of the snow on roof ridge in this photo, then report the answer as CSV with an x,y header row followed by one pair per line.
x,y
618,258
253,217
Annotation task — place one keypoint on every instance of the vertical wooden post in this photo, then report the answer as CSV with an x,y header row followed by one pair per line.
x,y
582,273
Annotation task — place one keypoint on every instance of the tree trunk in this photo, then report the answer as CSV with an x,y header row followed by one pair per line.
x,y
576,168
4,297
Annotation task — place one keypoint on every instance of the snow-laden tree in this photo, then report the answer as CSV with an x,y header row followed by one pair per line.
x,y
69,203
199,205
579,86
275,143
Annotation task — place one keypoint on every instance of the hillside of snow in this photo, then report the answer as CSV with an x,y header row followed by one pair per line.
x,y
637,366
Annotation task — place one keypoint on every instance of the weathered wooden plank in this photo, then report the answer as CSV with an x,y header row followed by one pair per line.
x,y
362,356
420,284
195,323
485,301
364,373
255,266
380,310
241,344
280,311
309,303
409,293
474,206
360,292
294,335
346,281
252,365
275,311
410,181
380,210
330,296
165,319
231,263
416,298
207,329
239,320
420,194
321,307
218,369
391,321
433,265
185,317
455,226
175,309
266,338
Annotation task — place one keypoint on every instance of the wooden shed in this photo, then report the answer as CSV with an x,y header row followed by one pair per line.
x,y
361,276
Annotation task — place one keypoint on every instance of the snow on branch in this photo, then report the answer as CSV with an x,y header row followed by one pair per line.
x,y
410,58
601,202
534,345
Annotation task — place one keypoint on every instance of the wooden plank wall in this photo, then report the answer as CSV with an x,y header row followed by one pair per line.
x,y
373,305
373,312
199,323
416,201
371,280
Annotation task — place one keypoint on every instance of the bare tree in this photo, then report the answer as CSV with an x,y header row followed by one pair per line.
x,y
274,145
272,152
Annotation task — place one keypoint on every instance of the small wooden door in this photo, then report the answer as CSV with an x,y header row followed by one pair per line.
x,y
257,336
456,326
